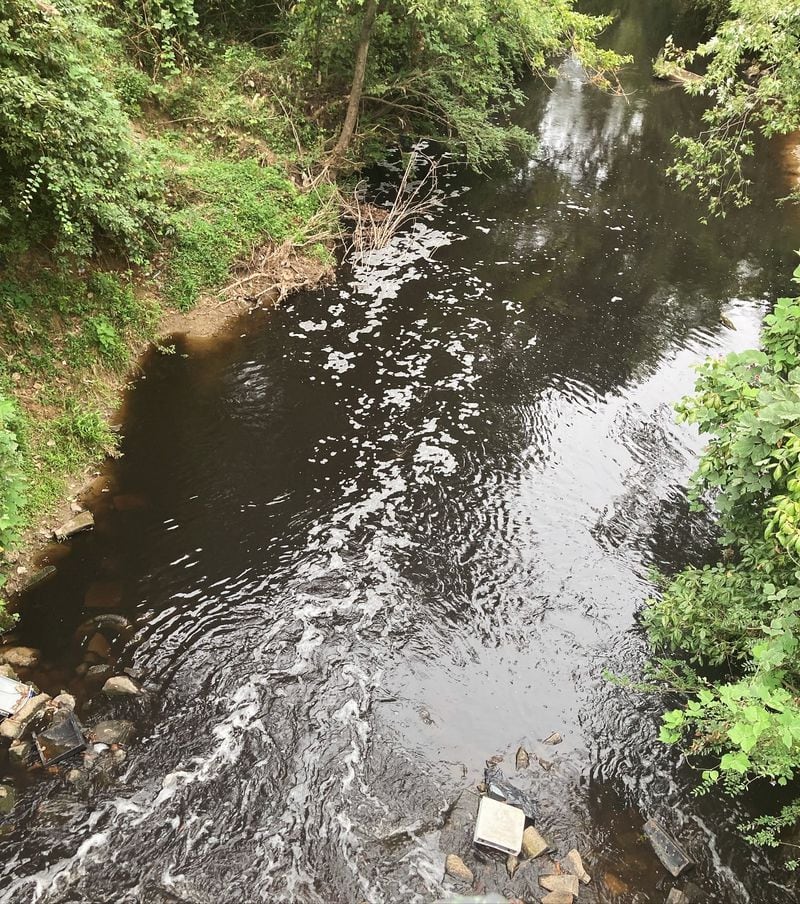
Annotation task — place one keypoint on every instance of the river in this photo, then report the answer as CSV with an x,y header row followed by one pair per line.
x,y
403,524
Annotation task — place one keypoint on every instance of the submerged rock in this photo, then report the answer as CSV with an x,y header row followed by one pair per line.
x,y
65,701
455,867
7,799
20,657
81,522
121,686
114,731
19,752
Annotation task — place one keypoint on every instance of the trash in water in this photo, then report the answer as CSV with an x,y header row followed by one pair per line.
x,y
12,695
500,788
667,849
60,741
499,826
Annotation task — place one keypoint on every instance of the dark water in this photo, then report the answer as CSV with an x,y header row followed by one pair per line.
x,y
404,524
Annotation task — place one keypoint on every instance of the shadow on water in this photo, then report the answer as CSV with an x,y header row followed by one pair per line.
x,y
403,524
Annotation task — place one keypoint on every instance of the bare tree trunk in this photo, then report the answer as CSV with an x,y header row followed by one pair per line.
x,y
359,74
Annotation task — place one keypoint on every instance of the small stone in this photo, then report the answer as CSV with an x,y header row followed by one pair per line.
x,y
523,760
20,657
512,865
558,897
65,701
7,799
74,776
494,760
19,751
554,738
533,845
573,863
14,728
119,756
482,787
676,896
75,525
121,686
75,508
114,731
99,672
564,883
454,866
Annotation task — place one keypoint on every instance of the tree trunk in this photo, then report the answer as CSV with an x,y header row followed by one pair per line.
x,y
359,74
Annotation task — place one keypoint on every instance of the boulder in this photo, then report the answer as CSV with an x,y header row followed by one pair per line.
x,y
454,866
121,686
533,845
114,731
20,657
14,728
75,525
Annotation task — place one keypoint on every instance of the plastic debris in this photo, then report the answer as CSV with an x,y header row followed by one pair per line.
x,y
60,740
499,788
500,826
668,851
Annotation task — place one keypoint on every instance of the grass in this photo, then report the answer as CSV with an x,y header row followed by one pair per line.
x,y
225,146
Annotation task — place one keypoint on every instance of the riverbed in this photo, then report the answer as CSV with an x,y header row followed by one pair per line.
x,y
405,523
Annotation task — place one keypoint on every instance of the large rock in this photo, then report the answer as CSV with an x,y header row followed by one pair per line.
x,y
121,686
573,863
455,867
75,525
20,657
15,727
114,731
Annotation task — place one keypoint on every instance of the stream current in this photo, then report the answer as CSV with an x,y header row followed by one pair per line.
x,y
403,524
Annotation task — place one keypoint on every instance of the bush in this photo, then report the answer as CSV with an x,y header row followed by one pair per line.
x,y
71,167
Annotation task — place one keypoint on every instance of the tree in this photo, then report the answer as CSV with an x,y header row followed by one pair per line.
x,y
753,82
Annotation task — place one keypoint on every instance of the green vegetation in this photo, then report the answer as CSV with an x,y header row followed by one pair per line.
x,y
752,80
740,619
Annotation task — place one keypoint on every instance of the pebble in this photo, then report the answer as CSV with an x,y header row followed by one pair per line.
x,y
522,760
554,738
454,866
121,686
533,845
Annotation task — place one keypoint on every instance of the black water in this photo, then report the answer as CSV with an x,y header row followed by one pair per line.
x,y
405,523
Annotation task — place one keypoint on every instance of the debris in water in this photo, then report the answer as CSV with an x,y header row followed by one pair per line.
x,y
501,789
74,526
668,851
553,738
499,826
523,760
60,740
573,863
455,867
12,695
533,845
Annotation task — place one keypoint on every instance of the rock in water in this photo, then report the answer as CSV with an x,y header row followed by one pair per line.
x,y
114,731
121,686
74,526
533,845
20,657
676,896
573,863
454,866
19,752
512,865
15,728
557,897
554,738
65,701
565,884
523,760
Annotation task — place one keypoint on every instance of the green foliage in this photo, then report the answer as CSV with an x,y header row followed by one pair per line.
x,y
753,82
162,34
71,167
743,614
448,71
